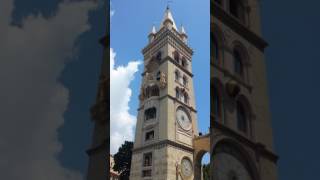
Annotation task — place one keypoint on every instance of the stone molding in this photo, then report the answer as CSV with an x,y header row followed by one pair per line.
x,y
162,144
256,146
239,28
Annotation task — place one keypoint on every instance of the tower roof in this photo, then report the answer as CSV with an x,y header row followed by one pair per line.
x,y
168,15
153,30
183,31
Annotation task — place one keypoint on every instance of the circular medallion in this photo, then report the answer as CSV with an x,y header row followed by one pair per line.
x,y
183,119
186,167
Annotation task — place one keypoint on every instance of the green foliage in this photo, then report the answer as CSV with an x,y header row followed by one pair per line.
x,y
122,160
206,171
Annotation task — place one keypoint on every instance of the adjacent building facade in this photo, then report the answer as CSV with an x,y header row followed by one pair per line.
x,y
241,133
99,150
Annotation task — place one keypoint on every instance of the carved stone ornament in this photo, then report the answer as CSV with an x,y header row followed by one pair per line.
x,y
141,96
149,76
163,80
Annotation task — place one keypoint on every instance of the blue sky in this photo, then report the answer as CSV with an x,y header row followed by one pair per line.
x,y
130,25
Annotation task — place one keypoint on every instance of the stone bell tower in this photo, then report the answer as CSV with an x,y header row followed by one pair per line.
x,y
167,120
241,131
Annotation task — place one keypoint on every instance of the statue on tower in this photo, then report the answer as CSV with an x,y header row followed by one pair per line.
x,y
163,80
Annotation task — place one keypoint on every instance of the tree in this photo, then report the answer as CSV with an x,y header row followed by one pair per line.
x,y
122,160
206,171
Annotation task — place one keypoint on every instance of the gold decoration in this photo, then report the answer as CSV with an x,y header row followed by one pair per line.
x,y
141,96
149,76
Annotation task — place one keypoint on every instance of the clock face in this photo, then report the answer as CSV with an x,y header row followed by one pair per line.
x,y
227,167
186,167
183,119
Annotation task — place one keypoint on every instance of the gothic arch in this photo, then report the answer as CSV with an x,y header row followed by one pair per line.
x,y
201,147
239,9
152,90
244,100
238,151
237,45
216,85
217,38
241,60
248,111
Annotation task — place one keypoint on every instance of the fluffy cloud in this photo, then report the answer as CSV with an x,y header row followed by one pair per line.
x,y
112,12
32,100
121,121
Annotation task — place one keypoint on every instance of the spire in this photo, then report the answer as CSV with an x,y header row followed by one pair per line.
x,y
183,34
152,34
183,31
153,30
168,17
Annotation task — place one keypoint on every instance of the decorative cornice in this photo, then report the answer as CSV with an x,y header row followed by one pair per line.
x,y
162,34
163,143
239,28
231,76
176,99
258,147
168,58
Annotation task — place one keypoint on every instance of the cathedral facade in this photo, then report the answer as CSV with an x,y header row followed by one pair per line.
x,y
241,132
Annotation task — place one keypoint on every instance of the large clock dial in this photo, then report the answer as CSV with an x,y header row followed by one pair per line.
x,y
183,119
227,167
186,167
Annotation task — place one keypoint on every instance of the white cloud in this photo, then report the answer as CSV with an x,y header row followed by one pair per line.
x,y
121,121
112,11
32,100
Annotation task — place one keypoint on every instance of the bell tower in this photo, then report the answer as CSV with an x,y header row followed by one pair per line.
x,y
167,116
241,131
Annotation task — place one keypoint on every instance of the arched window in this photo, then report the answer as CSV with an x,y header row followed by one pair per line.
x,y
184,63
176,57
152,91
177,93
150,113
155,91
238,62
186,98
177,75
159,56
217,107
158,75
242,119
149,135
237,9
185,80
147,159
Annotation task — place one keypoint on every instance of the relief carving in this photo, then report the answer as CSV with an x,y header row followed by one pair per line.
x,y
163,80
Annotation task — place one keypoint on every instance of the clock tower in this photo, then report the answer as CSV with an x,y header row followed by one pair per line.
x,y
167,116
